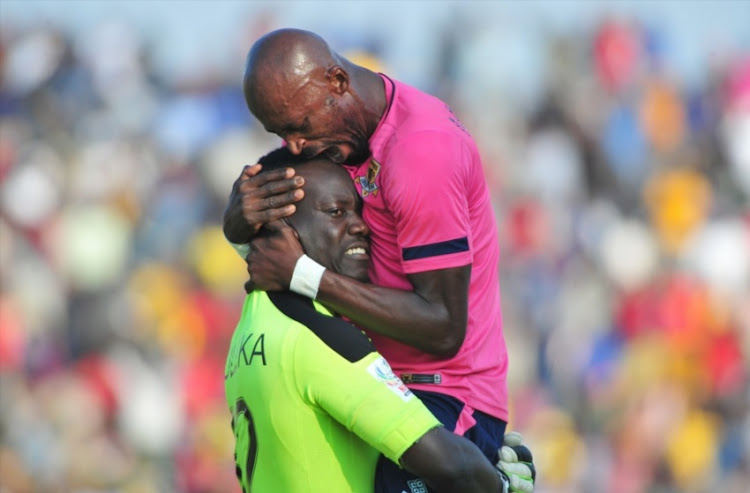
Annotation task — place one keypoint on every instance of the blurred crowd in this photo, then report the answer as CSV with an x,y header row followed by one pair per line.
x,y
622,193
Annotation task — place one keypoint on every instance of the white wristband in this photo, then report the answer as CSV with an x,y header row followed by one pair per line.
x,y
306,277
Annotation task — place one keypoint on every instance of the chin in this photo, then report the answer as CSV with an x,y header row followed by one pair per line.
x,y
365,278
363,275
357,154
357,274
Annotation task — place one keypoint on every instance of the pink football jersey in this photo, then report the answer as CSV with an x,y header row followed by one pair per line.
x,y
428,208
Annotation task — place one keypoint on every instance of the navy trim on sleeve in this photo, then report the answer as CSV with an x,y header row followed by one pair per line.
x,y
338,334
456,245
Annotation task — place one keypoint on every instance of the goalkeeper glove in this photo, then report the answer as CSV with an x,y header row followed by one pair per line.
x,y
516,465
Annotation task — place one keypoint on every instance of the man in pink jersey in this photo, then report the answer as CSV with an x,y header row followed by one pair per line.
x,y
434,308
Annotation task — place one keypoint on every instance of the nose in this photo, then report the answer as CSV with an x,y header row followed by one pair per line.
x,y
358,227
296,145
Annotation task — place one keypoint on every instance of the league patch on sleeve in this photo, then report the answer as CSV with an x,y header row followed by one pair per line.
x,y
381,370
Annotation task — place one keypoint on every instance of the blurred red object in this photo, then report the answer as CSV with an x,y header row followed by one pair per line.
x,y
616,52
12,337
738,85
100,374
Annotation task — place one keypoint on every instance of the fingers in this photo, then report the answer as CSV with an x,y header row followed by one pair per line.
x,y
280,200
521,476
516,459
518,455
267,215
518,485
278,224
522,453
507,454
250,170
519,469
513,438
249,286
274,181
275,189
268,196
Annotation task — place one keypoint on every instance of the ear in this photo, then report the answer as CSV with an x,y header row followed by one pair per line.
x,y
338,79
286,221
281,224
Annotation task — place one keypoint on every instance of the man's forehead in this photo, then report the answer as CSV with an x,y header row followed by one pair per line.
x,y
322,174
275,117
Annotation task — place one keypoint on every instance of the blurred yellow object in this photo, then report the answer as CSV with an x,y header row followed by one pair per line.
x,y
183,332
165,310
365,59
558,449
213,438
218,266
692,450
156,290
678,202
644,365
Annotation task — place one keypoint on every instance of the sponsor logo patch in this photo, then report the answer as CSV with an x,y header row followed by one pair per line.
x,y
381,370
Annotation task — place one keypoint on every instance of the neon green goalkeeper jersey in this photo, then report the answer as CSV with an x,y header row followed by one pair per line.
x,y
312,402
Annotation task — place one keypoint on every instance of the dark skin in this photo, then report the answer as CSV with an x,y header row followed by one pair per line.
x,y
328,222
322,104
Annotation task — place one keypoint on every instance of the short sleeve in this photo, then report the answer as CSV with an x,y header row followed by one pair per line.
x,y
365,396
428,182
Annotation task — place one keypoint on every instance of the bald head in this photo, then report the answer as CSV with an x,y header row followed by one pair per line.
x,y
282,61
313,98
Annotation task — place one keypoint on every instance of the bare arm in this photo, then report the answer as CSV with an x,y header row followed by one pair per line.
x,y
258,199
432,318
449,463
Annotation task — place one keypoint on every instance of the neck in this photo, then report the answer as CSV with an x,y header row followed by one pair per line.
x,y
370,90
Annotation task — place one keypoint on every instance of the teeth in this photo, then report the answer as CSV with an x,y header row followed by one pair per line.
x,y
355,251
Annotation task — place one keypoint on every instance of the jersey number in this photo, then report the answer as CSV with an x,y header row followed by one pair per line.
x,y
245,444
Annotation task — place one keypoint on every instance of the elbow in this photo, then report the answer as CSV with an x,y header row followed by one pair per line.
x,y
234,236
449,343
236,230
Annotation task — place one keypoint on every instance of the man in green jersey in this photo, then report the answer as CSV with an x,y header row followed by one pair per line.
x,y
313,403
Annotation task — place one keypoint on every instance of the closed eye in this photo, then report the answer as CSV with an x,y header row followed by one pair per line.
x,y
298,129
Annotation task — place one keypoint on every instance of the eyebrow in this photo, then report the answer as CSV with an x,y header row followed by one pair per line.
x,y
305,125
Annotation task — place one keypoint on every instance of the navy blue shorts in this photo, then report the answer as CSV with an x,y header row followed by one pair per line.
x,y
484,430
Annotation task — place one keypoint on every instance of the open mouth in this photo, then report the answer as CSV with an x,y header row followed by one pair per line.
x,y
356,251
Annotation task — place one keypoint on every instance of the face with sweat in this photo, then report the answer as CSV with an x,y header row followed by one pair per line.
x,y
328,220
315,117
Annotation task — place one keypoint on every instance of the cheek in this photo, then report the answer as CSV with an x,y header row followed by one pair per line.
x,y
320,247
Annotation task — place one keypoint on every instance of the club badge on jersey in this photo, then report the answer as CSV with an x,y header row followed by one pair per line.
x,y
368,182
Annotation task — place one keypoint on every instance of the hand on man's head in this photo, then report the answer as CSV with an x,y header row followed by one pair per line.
x,y
272,257
268,196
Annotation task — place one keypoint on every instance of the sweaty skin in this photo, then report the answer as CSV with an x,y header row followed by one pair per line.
x,y
319,102
329,224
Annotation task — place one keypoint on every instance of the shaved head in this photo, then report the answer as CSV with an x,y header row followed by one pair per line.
x,y
316,100
286,58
